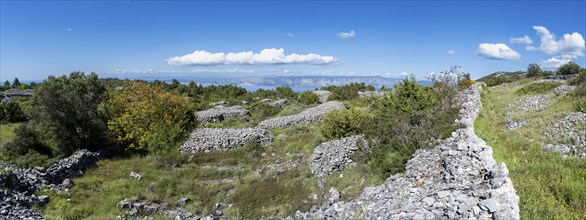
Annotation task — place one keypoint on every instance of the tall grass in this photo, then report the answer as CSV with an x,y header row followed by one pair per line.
x,y
549,185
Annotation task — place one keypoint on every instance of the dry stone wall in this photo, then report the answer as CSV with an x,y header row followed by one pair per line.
x,y
212,139
309,116
220,113
334,156
458,179
16,201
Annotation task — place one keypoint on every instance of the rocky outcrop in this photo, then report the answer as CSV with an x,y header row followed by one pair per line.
x,y
334,156
220,113
323,95
458,179
309,116
568,136
212,139
371,94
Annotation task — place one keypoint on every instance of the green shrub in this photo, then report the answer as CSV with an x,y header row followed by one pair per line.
x,y
580,82
26,139
307,98
11,113
537,88
344,123
534,70
569,68
262,110
409,119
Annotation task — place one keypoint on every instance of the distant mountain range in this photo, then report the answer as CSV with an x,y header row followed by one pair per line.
x,y
302,81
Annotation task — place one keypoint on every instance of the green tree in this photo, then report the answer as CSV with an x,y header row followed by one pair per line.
x,y
11,113
65,110
144,117
534,70
569,68
15,83
6,84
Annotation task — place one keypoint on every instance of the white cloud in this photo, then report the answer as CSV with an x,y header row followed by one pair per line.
x,y
451,53
346,34
570,46
497,52
290,35
197,70
69,29
553,63
266,56
520,40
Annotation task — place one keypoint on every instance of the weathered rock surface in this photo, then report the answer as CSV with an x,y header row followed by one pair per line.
x,y
309,116
458,179
334,156
323,95
568,136
212,139
220,113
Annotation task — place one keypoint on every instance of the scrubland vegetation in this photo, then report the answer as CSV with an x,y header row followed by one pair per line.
x,y
148,121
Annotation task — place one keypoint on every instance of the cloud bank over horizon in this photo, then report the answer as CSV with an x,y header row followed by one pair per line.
x,y
267,56
569,47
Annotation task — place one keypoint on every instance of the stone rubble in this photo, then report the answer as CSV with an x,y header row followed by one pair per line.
x,y
458,179
22,183
568,136
334,156
212,139
536,102
309,116
137,209
563,89
323,95
220,113
279,103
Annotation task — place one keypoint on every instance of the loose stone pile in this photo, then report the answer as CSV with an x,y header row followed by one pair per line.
x,y
571,131
323,95
211,139
458,179
371,94
334,156
563,89
17,201
537,102
220,113
134,209
309,116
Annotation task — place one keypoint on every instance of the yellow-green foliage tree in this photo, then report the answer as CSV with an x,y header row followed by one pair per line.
x,y
144,117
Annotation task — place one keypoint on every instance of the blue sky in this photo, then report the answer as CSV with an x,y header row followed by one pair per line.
x,y
188,38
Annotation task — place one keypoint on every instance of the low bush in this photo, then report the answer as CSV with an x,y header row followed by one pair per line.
x,y
344,123
307,98
11,113
581,106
